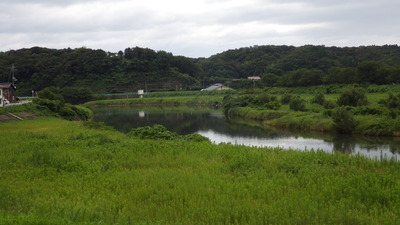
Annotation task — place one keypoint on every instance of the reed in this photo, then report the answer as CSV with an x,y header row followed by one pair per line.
x,y
54,171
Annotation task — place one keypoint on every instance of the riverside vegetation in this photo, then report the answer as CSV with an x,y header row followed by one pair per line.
x,y
372,110
55,171
369,110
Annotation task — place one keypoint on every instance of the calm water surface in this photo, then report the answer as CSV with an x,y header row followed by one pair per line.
x,y
212,123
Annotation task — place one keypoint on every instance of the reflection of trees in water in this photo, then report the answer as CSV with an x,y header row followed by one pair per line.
x,y
192,121
395,146
343,144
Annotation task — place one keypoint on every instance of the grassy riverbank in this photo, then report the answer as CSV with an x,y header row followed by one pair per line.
x,y
377,114
375,117
148,101
55,171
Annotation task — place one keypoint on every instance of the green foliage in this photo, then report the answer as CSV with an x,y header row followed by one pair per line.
x,y
195,138
297,104
142,68
392,101
353,97
286,98
343,120
159,132
274,105
52,105
329,104
51,93
89,176
319,99
76,95
97,125
49,101
155,132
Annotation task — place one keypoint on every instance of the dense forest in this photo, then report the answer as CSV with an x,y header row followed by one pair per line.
x,y
143,68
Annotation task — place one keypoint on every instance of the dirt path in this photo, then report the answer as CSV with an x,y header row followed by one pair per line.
x,y
22,115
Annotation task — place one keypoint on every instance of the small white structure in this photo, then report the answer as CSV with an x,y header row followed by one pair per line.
x,y
216,87
140,93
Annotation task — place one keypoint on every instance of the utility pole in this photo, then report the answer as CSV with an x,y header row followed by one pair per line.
x,y
11,78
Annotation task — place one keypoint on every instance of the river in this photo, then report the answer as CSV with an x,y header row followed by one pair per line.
x,y
212,124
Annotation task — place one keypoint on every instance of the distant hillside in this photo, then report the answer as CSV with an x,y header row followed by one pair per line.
x,y
143,68
307,65
100,71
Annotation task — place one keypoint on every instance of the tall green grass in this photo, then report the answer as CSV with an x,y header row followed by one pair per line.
x,y
180,100
54,171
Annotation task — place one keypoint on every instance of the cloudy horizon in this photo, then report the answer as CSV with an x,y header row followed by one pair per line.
x,y
196,29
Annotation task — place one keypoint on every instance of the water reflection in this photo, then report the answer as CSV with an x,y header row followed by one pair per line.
x,y
212,123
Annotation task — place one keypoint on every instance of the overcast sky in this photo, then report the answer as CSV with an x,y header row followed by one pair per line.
x,y
197,28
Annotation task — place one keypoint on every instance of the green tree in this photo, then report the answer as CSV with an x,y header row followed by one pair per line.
x,y
353,97
343,120
297,104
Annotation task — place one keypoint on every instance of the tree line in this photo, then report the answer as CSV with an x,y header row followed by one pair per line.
x,y
143,68
98,70
289,66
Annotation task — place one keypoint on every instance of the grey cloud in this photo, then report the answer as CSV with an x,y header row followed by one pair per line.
x,y
121,24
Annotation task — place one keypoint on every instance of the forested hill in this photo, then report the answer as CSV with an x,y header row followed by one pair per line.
x,y
99,71
307,65
143,68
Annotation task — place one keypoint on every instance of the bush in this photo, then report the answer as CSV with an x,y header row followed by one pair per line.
x,y
76,95
343,120
264,98
232,101
155,132
329,104
82,112
274,105
97,125
285,98
51,93
318,99
392,101
195,137
353,97
52,105
297,104
67,113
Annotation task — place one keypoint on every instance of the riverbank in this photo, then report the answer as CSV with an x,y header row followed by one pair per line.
x,y
159,101
376,114
62,172
264,106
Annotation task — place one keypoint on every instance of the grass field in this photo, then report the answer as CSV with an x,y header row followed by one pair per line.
x,y
179,100
54,171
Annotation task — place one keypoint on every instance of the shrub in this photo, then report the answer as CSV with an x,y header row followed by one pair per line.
x,y
195,137
392,101
343,120
285,98
155,132
319,99
82,112
297,104
51,93
232,101
353,97
76,95
264,98
274,105
67,113
97,125
52,105
329,104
